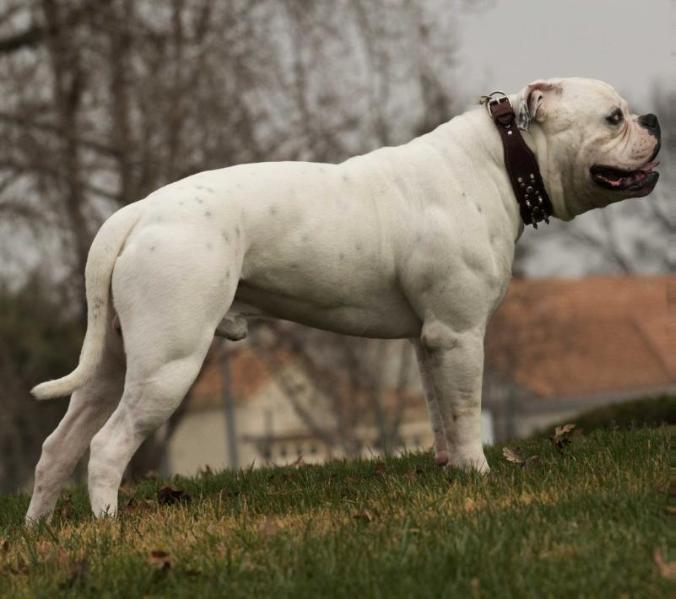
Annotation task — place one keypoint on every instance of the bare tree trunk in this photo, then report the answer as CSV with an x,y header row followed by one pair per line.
x,y
67,88
120,48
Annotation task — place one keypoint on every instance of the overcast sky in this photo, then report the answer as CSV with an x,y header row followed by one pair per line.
x,y
627,43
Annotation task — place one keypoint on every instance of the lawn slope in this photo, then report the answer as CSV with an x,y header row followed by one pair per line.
x,y
586,521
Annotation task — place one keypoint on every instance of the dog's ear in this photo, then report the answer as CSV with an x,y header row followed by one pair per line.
x,y
533,101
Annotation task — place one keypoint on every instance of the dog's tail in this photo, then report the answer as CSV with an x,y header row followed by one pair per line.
x,y
100,262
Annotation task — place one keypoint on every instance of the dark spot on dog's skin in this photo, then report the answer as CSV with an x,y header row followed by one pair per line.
x,y
358,247
210,246
427,283
180,203
199,200
480,209
273,210
225,237
227,274
205,188
238,232
455,417
293,265
346,179
207,213
305,238
418,238
97,304
152,248
341,256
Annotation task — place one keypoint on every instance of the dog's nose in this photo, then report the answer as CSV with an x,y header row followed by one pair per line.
x,y
650,122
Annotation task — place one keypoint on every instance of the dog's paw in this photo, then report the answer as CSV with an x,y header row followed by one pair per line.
x,y
469,461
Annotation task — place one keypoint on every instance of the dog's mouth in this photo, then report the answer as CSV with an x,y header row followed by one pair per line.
x,y
641,181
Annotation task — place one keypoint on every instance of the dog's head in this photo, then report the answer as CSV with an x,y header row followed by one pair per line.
x,y
592,150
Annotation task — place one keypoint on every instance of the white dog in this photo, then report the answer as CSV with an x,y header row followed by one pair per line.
x,y
413,242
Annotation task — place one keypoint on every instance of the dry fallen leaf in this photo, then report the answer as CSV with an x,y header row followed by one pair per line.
x,y
562,436
364,516
666,569
169,495
379,469
160,559
412,474
139,505
512,456
65,508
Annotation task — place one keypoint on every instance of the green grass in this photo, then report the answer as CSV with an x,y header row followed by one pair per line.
x,y
652,412
584,522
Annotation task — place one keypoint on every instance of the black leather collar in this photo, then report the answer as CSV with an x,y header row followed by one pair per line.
x,y
520,162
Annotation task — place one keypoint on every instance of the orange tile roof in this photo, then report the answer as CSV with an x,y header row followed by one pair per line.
x,y
247,371
577,337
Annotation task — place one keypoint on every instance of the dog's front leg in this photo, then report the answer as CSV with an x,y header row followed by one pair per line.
x,y
453,361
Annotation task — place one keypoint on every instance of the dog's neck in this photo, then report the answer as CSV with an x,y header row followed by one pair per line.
x,y
484,181
475,127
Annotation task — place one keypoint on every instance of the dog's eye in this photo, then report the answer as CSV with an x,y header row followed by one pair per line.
x,y
615,117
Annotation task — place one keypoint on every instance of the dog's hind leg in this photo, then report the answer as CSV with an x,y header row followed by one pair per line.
x,y
147,402
88,409
169,321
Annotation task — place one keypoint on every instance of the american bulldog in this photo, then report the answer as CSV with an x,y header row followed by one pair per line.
x,y
414,242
